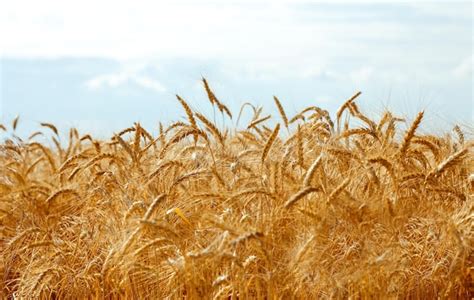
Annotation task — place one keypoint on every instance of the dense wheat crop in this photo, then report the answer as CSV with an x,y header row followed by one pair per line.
x,y
303,206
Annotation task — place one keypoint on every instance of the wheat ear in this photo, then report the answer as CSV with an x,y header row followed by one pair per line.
x,y
448,162
187,109
211,127
270,142
344,106
209,92
213,99
281,111
258,121
299,146
312,169
52,127
410,133
15,122
459,133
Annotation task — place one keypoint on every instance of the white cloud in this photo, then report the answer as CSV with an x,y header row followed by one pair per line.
x,y
361,75
147,82
243,30
108,80
261,39
464,69
124,78
454,9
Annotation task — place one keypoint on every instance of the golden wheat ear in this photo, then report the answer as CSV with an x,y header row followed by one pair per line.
x,y
15,122
213,99
188,110
270,142
410,134
210,94
281,111
345,106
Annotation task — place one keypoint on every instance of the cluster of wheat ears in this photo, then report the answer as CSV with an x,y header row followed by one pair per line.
x,y
319,209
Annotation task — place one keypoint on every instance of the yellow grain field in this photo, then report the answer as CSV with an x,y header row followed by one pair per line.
x,y
284,207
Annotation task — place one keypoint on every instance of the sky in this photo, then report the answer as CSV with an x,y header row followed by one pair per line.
x,y
102,65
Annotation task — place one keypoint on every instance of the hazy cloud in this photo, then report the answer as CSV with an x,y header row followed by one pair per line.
x,y
361,75
124,78
464,69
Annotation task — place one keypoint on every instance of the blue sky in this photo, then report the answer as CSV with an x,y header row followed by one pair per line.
x,y
101,65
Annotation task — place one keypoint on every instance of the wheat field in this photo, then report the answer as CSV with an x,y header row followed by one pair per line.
x,y
285,207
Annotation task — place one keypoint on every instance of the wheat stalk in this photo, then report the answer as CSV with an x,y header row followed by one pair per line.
x,y
153,206
338,190
298,196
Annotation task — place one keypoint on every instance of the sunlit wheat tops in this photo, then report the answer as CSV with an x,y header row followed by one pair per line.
x,y
198,210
